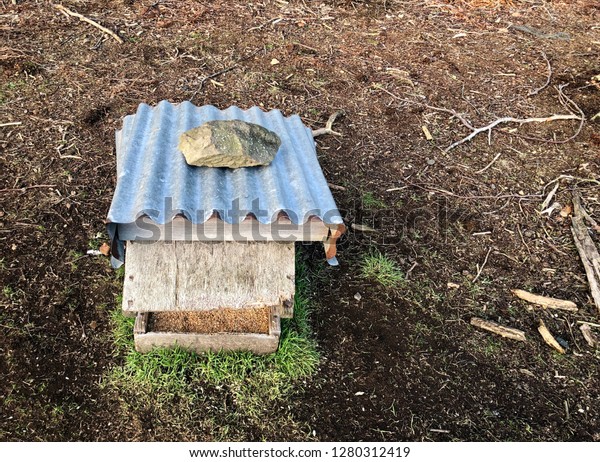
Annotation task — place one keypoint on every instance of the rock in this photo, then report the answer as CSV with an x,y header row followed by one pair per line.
x,y
229,143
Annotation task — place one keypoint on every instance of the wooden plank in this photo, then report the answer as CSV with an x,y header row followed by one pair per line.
x,y
215,229
193,276
199,343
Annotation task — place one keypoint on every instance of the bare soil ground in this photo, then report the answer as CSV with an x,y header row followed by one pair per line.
x,y
398,363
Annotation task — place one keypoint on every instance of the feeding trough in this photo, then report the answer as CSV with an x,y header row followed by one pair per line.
x,y
209,252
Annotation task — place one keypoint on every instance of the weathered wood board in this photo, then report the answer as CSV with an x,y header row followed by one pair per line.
x,y
256,343
195,276
216,230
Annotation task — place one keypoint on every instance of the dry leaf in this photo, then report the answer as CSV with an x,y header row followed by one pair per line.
x,y
104,249
566,211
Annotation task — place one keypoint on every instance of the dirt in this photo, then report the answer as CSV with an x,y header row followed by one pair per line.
x,y
251,320
397,363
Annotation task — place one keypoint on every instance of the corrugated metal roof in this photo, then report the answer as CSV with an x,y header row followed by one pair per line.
x,y
154,179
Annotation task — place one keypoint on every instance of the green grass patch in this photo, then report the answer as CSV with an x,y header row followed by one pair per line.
x,y
382,269
369,201
252,381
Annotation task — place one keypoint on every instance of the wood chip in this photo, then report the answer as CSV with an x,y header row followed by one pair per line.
x,y
589,336
549,338
546,302
427,133
507,332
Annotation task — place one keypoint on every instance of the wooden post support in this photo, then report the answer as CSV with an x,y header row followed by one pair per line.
x,y
330,243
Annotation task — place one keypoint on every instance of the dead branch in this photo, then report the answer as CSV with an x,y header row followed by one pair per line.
x,y
503,120
327,130
81,17
546,302
549,338
589,336
507,332
587,249
537,90
578,208
564,99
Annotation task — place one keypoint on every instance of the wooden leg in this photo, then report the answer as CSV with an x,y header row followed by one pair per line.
x,y
330,244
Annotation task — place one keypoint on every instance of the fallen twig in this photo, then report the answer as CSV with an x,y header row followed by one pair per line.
x,y
549,338
507,332
336,187
593,324
537,90
68,12
587,249
210,77
490,164
546,302
327,130
10,124
550,196
221,72
588,335
25,188
480,268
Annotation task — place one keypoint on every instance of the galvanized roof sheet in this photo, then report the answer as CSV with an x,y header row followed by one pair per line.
x,y
154,179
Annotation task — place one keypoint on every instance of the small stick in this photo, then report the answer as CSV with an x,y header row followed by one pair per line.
x,y
89,21
327,130
210,77
593,324
507,332
25,188
336,187
221,72
10,124
482,266
362,228
546,302
588,335
549,338
490,164
537,90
